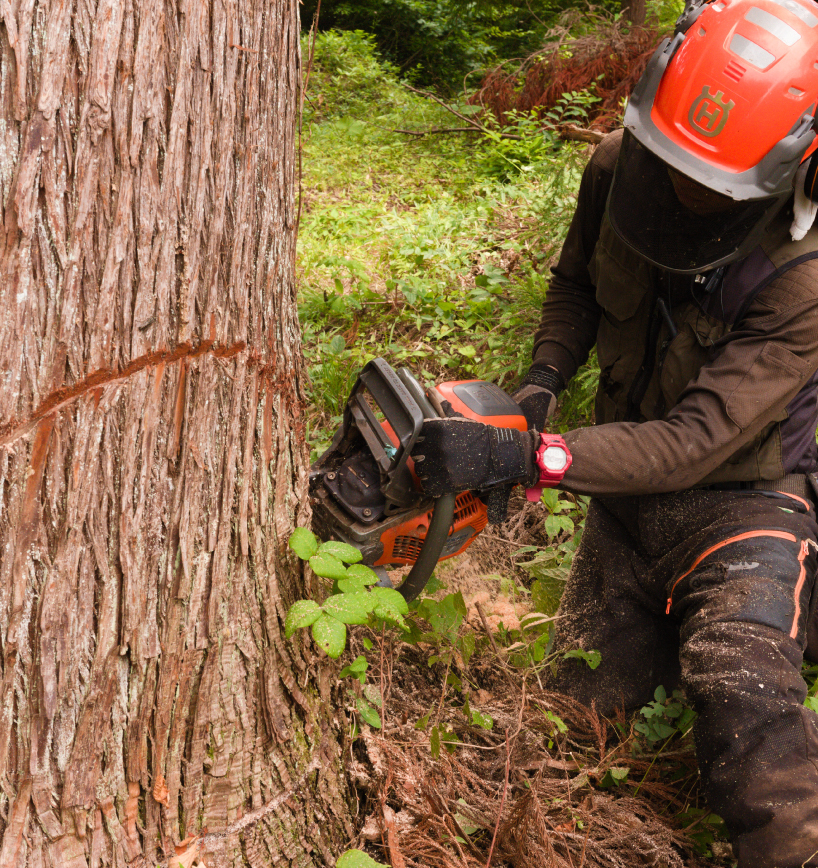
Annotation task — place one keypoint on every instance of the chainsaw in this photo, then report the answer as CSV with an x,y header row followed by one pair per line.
x,y
364,490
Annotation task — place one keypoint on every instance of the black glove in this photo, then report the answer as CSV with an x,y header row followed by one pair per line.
x,y
458,454
537,395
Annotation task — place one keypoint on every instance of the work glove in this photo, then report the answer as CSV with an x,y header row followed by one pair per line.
x,y
456,454
537,395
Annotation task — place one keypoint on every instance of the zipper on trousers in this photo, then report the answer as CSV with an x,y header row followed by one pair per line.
x,y
799,585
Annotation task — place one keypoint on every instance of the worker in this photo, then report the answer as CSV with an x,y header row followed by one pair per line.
x,y
691,263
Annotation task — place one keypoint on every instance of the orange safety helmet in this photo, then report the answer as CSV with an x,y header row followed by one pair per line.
x,y
715,132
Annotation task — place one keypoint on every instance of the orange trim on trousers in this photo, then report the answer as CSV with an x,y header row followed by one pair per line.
x,y
778,534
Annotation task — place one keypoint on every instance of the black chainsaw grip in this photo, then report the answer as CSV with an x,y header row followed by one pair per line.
x,y
436,537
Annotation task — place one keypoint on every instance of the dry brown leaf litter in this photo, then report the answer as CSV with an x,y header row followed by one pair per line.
x,y
554,812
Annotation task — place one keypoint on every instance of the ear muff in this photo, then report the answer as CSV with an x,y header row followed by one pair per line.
x,y
811,178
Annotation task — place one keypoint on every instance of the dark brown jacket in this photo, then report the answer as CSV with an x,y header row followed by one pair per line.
x,y
731,397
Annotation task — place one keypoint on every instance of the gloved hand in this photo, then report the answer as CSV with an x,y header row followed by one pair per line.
x,y
457,454
537,395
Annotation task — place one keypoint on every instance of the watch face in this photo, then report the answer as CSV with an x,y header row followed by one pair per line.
x,y
554,458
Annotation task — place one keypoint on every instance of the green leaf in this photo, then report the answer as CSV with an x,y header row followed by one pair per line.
x,y
356,669
388,614
328,566
546,593
350,586
343,551
660,694
373,694
556,720
592,658
467,825
486,721
687,717
302,613
330,634
446,615
362,574
663,730
550,497
553,525
304,543
434,742
614,776
433,586
392,598
358,859
368,713
424,721
368,643
350,608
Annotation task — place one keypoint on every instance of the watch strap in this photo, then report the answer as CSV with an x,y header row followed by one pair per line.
x,y
550,477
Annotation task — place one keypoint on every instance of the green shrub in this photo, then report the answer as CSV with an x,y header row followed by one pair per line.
x,y
347,75
440,41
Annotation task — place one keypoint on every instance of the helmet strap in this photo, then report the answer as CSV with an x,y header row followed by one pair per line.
x,y
811,178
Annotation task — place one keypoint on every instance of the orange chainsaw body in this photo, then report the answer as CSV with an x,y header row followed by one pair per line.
x,y
402,544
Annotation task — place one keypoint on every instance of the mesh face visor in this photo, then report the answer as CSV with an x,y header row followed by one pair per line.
x,y
676,223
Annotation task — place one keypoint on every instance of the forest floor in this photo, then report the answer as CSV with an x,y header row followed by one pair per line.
x,y
432,251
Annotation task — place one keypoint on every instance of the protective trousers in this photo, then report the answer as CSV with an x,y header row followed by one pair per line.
x,y
713,591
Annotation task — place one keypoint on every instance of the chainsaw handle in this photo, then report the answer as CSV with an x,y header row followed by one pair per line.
x,y
429,555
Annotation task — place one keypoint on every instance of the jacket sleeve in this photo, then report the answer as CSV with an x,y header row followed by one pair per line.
x,y
570,313
757,370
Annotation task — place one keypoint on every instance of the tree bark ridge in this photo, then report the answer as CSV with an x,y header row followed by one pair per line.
x,y
152,443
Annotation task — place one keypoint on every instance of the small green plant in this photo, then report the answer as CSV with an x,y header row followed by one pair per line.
x,y
704,829
549,566
358,859
664,717
354,598
522,146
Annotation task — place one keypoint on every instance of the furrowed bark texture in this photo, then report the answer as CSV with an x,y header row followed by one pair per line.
x,y
152,447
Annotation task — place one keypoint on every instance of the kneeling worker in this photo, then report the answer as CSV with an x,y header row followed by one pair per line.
x,y
692,265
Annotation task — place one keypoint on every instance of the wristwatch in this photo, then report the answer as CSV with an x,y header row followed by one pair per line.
x,y
553,459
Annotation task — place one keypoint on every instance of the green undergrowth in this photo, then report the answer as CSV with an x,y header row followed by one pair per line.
x,y
431,251
437,624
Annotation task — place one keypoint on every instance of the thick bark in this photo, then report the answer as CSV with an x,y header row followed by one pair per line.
x,y
634,10
152,447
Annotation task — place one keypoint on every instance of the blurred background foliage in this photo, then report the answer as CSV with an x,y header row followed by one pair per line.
x,y
444,43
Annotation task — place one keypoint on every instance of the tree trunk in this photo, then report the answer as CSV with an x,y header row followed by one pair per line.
x,y
152,447
634,10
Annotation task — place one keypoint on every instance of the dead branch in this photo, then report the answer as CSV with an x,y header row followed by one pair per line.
x,y
437,131
576,134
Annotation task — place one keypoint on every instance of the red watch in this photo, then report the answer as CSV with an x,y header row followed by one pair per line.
x,y
553,459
